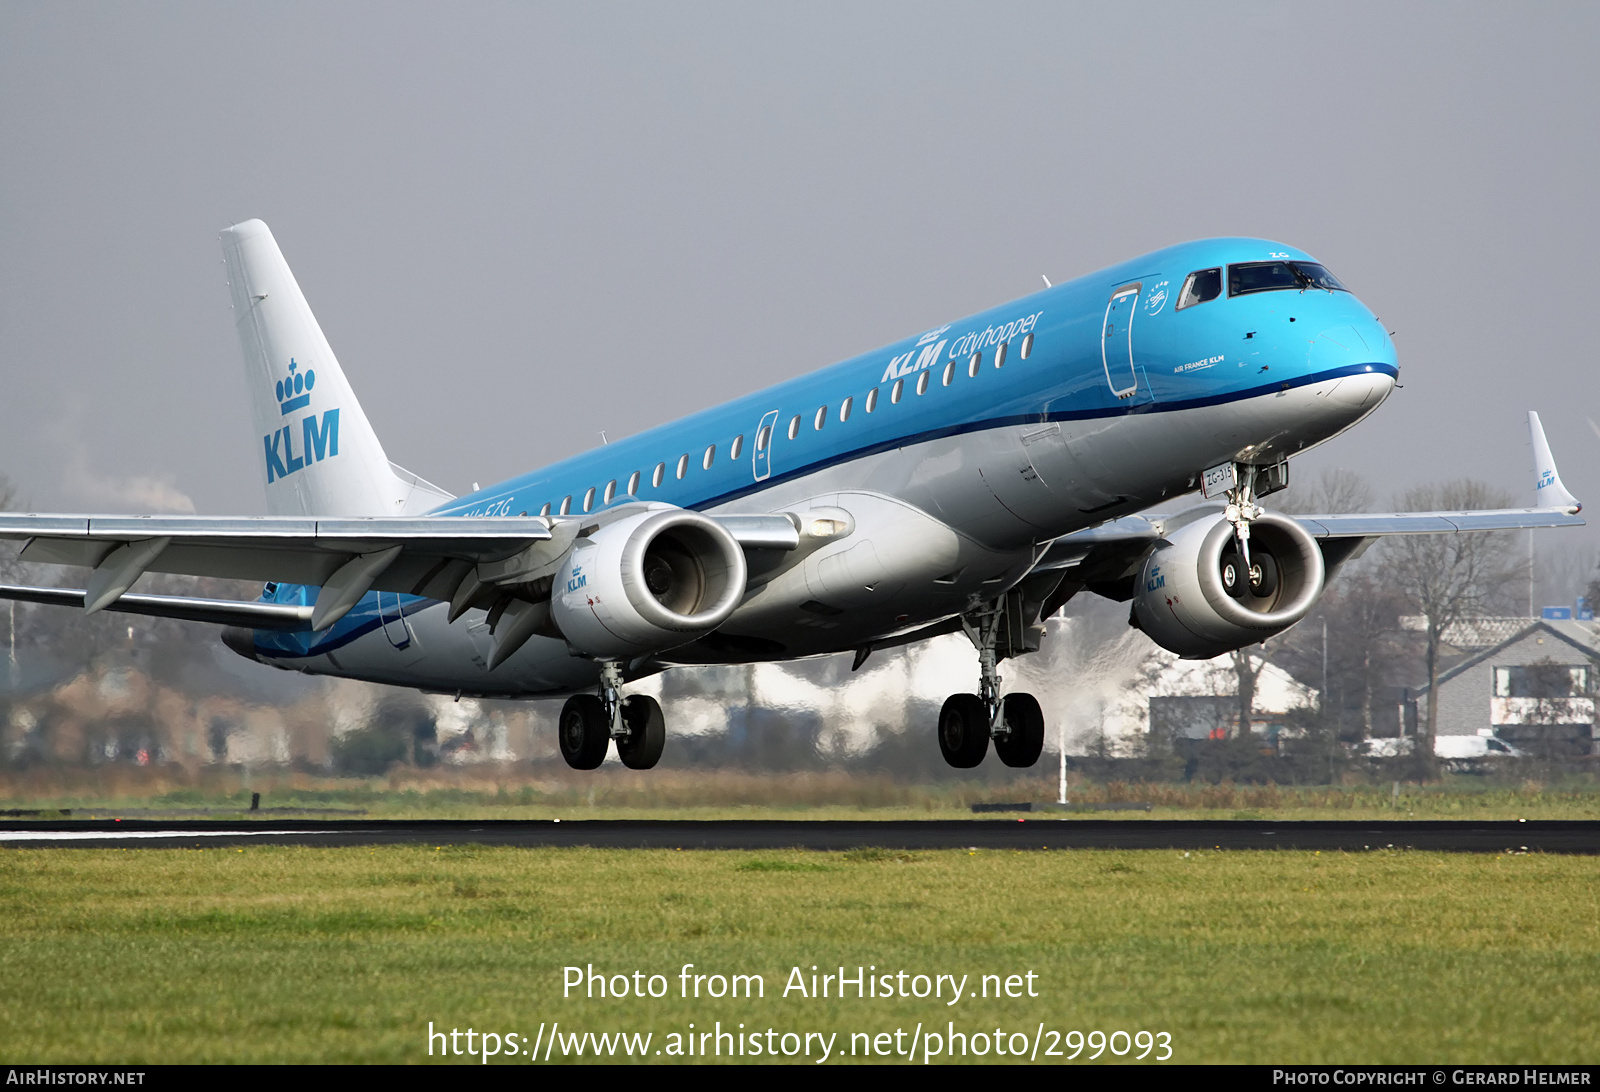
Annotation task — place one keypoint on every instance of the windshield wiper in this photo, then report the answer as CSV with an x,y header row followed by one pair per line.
x,y
1304,279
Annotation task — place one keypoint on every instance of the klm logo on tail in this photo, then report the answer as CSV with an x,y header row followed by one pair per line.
x,y
319,440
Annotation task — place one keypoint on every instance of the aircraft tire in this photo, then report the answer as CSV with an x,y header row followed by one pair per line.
x,y
640,749
1022,745
583,732
1265,584
963,730
1235,580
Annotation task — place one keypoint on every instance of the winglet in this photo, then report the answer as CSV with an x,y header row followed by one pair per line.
x,y
1548,491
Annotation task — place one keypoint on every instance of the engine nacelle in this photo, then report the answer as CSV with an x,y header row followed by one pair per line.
x,y
1195,598
648,582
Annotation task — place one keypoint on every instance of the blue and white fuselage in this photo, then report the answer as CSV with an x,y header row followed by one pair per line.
x,y
935,470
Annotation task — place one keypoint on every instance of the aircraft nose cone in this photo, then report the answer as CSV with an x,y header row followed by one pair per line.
x,y
1363,390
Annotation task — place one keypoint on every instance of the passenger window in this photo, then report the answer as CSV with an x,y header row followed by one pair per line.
x,y
738,446
566,505
973,364
794,426
872,399
611,490
949,372
1027,348
894,391
545,511
1199,287
922,381
633,484
763,438
821,419
844,410
683,466
588,499
658,474
710,457
999,355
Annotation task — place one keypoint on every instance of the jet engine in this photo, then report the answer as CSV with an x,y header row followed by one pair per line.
x,y
1196,595
647,582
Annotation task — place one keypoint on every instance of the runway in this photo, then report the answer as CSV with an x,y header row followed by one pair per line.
x,y
1540,836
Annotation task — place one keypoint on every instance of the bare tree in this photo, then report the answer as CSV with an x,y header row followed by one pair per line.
x,y
1346,649
1451,576
1247,664
1334,490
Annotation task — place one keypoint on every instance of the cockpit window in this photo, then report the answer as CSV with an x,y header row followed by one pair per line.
x,y
1202,285
1250,277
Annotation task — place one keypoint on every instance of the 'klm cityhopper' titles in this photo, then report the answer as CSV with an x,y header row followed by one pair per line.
x,y
927,355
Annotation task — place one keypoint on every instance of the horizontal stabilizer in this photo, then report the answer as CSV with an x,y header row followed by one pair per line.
x,y
225,612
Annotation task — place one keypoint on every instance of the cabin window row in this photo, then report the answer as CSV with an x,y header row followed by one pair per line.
x,y
680,470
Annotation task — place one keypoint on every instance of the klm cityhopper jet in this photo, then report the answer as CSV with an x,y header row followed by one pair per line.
x,y
971,478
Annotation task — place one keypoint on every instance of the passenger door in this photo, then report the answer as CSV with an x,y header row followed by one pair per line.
x,y
1116,341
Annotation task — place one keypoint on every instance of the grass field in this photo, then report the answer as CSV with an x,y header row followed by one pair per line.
x,y
521,792
271,954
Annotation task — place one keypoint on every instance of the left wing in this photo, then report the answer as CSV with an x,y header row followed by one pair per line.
x,y
453,558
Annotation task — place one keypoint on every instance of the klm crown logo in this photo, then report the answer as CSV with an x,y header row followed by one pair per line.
x,y
294,392
318,438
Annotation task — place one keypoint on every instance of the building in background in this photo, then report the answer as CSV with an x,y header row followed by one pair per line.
x,y
1533,687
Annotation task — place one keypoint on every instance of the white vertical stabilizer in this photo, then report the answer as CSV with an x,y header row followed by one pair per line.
x,y
315,448
1548,492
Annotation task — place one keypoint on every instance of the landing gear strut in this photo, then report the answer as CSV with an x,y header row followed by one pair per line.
x,y
1242,508
589,723
968,721
1243,573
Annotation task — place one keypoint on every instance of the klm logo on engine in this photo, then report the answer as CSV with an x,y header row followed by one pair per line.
x,y
1156,579
578,580
318,439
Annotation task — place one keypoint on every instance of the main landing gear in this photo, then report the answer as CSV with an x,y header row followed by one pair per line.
x,y
969,721
589,722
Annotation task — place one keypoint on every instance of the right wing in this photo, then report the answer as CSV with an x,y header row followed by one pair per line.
x,y
1105,558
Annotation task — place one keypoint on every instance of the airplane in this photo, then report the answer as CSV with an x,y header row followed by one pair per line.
x,y
970,478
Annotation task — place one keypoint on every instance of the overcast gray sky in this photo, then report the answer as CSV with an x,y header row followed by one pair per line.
x,y
520,224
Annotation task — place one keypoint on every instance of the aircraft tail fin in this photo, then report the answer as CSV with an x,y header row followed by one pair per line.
x,y
1548,492
319,453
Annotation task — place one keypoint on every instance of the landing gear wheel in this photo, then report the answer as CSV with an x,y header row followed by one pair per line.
x,y
1235,581
640,749
1020,746
583,731
1263,575
964,730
